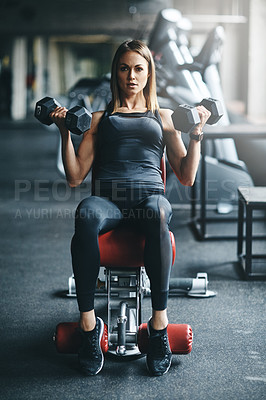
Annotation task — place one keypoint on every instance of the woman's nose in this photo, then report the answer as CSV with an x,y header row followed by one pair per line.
x,y
131,74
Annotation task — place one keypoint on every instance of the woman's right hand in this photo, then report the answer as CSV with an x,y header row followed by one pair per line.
x,y
58,116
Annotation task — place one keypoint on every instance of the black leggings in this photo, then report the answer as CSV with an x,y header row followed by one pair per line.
x,y
97,215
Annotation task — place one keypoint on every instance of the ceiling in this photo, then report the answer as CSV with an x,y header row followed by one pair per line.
x,y
60,17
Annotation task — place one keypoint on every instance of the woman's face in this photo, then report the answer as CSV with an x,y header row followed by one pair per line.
x,y
132,73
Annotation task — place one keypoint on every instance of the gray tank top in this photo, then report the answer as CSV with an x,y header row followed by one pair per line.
x,y
129,151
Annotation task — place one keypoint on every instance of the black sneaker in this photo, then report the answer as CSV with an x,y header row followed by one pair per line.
x,y
159,355
90,354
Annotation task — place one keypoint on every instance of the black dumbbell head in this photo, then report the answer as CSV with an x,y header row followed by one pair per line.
x,y
43,109
215,107
78,120
185,118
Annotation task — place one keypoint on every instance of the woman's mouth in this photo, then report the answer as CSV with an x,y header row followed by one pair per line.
x,y
131,85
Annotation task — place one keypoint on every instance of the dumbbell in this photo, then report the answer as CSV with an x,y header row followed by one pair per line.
x,y
78,119
186,118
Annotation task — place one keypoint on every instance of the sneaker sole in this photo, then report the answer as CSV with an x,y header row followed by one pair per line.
x,y
100,338
158,374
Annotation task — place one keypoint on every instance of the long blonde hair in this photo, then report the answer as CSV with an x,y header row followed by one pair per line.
x,y
150,88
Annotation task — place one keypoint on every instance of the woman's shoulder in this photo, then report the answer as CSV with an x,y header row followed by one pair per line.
x,y
165,114
98,114
95,120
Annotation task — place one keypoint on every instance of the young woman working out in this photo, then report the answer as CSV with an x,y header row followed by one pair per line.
x,y
126,143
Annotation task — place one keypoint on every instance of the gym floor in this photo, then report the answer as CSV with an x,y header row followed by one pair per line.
x,y
228,356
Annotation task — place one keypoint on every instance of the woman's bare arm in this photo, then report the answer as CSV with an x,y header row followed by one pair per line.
x,y
183,162
77,165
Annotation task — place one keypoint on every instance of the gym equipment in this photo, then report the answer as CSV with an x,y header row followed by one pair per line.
x,y
78,119
208,60
126,336
176,67
175,80
186,118
180,338
192,287
121,256
67,338
92,93
166,19
179,82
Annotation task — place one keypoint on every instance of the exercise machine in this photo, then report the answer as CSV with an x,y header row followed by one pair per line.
x,y
121,256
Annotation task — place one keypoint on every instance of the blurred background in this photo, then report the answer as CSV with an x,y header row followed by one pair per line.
x,y
46,47
203,48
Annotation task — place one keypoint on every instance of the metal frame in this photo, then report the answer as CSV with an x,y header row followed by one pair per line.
x,y
125,295
246,259
125,289
199,224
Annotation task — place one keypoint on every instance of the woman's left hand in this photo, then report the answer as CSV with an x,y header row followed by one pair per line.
x,y
204,115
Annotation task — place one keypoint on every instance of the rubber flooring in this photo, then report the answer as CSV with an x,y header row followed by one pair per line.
x,y
37,221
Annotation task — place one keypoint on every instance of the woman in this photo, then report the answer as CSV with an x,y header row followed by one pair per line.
x,y
129,139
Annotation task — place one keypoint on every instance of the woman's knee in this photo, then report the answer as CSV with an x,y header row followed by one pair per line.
x,y
158,210
89,215
88,209
94,213
165,210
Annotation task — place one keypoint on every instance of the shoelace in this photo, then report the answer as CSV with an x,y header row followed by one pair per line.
x,y
160,346
92,345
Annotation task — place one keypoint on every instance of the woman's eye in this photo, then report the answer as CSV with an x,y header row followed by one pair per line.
x,y
139,69
123,69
